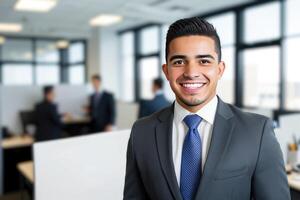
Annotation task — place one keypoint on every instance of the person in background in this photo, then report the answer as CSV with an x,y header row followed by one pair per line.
x,y
157,103
49,124
101,107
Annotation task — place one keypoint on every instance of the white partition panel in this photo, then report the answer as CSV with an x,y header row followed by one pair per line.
x,y
126,114
89,167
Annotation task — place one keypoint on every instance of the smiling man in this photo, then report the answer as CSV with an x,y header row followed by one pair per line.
x,y
201,148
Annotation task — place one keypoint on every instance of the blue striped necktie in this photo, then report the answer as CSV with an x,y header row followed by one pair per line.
x,y
191,159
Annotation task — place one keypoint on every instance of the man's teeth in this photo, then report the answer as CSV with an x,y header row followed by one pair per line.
x,y
192,85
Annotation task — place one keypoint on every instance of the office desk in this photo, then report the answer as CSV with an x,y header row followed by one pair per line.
x,y
76,120
26,170
294,183
15,150
75,126
17,141
26,177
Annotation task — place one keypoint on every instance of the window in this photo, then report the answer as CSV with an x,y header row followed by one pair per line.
x,y
76,55
76,74
225,26
167,89
149,40
46,51
47,74
38,61
127,70
76,52
226,85
17,50
292,17
262,23
261,74
17,74
149,70
292,84
47,63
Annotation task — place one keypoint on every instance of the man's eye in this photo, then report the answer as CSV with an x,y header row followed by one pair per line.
x,y
178,62
204,62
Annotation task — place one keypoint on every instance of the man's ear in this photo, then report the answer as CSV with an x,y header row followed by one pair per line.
x,y
165,70
221,68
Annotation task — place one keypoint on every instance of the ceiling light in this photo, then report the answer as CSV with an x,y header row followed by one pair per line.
x,y
105,20
2,40
62,44
10,27
35,5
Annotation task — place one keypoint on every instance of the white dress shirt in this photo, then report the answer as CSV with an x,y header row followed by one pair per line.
x,y
207,113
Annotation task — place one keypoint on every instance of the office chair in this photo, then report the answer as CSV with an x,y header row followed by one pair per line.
x,y
28,121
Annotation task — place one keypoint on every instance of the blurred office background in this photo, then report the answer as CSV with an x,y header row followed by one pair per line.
x,y
64,42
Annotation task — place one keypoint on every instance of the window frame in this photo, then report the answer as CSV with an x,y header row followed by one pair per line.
x,y
62,62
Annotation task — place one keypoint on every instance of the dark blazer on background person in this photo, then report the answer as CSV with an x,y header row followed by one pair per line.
x,y
102,112
148,107
244,160
49,124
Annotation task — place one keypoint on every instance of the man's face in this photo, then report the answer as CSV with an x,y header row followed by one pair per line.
x,y
96,84
155,88
51,96
193,70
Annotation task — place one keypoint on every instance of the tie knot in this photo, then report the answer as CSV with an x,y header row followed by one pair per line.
x,y
192,121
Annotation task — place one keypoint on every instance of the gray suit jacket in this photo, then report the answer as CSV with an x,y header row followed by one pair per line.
x,y
244,159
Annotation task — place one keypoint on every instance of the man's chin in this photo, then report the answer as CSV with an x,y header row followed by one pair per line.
x,y
192,102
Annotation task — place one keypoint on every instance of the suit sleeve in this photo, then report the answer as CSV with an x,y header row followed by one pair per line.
x,y
90,106
269,179
112,110
54,116
134,188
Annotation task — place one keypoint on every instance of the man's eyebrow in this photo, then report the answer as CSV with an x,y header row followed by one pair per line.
x,y
185,57
177,57
205,56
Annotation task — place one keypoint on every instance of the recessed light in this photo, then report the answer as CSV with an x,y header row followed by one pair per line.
x,y
10,27
105,20
62,44
35,5
2,40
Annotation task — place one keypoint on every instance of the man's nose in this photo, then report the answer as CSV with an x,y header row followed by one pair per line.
x,y
192,70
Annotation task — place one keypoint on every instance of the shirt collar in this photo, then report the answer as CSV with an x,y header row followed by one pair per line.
x,y
207,112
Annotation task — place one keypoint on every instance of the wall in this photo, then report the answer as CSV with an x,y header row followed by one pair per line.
x,y
93,56
103,58
109,60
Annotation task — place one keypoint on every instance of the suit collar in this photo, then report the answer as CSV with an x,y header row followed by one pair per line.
x,y
166,113
221,136
164,147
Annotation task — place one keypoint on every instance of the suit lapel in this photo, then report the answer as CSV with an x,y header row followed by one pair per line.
x,y
164,147
221,135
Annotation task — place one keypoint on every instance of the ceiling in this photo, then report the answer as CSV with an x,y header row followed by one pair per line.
x,y
70,18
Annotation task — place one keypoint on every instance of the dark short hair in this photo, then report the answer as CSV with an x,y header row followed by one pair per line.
x,y
47,89
193,26
96,77
158,82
